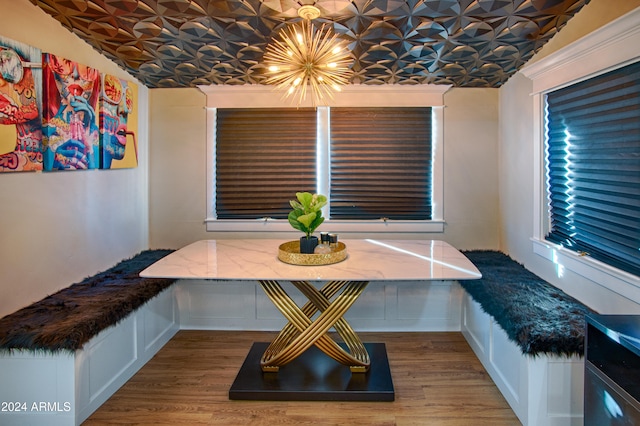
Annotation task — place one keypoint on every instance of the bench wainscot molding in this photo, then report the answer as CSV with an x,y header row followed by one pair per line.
x,y
543,390
64,388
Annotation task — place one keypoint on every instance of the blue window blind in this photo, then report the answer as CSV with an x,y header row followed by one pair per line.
x,y
593,166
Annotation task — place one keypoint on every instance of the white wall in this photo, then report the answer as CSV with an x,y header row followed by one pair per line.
x,y
471,169
177,175
178,169
516,173
57,228
60,227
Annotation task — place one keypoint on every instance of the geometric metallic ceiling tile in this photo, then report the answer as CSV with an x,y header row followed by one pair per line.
x,y
182,43
148,28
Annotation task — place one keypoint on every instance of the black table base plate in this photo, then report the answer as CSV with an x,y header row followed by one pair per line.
x,y
314,376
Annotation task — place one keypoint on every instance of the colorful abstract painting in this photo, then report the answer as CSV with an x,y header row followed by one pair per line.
x,y
70,136
20,107
118,123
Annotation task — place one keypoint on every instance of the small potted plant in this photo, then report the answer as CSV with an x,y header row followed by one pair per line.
x,y
306,216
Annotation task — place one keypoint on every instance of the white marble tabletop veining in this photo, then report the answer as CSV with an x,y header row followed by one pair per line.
x,y
367,260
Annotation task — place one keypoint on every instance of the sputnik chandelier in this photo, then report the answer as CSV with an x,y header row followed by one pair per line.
x,y
308,59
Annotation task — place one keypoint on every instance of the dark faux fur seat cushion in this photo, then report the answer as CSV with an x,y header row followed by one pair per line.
x,y
537,316
69,318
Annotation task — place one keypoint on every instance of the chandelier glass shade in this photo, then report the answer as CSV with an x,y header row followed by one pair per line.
x,y
308,59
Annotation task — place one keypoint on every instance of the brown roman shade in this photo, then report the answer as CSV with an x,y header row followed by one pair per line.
x,y
381,161
263,157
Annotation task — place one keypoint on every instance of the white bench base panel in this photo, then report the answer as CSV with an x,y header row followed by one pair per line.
x,y
542,391
65,389
384,306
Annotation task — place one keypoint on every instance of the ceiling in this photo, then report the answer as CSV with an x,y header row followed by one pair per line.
x,y
184,43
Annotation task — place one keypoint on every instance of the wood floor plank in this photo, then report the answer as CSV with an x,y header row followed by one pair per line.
x,y
438,381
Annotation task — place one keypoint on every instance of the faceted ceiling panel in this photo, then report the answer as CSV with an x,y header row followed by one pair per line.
x,y
184,43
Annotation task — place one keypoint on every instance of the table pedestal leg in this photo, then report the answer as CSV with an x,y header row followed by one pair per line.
x,y
302,331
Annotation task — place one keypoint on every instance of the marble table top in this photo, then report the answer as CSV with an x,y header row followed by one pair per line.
x,y
367,260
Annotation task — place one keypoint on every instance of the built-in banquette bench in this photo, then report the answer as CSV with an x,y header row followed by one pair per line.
x,y
68,353
65,355
529,335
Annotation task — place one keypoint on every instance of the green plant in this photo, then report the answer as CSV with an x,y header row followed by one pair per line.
x,y
306,215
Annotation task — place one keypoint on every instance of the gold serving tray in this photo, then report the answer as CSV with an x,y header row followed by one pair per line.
x,y
289,252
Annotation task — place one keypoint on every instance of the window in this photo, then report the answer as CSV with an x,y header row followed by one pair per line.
x,y
611,47
388,97
263,156
380,161
593,167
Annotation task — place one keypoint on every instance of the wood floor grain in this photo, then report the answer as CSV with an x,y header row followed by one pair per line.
x,y
438,381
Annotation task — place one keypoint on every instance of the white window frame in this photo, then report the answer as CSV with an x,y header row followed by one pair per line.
x,y
613,46
254,96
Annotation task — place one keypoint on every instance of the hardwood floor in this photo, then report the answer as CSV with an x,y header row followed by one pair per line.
x,y
437,379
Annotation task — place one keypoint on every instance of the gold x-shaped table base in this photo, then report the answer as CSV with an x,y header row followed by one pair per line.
x,y
302,331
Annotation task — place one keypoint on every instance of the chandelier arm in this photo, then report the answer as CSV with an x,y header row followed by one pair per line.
x,y
284,81
324,41
316,39
291,44
303,88
322,90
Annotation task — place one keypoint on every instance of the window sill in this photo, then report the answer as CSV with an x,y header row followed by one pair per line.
x,y
338,226
623,283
